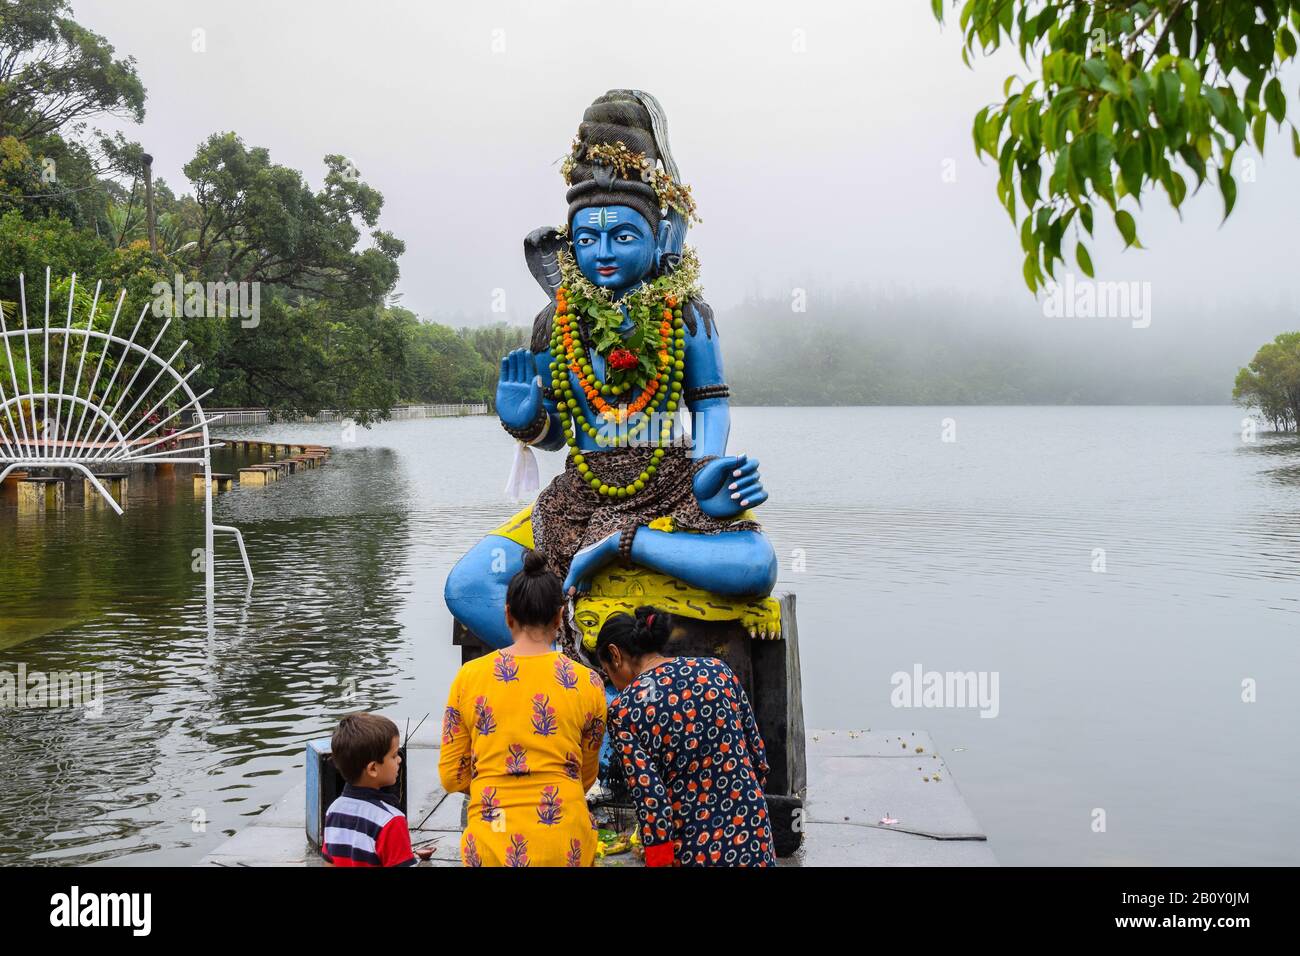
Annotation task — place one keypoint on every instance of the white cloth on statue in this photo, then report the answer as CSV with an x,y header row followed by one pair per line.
x,y
523,481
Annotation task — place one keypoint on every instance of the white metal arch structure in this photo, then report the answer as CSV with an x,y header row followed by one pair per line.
x,y
49,420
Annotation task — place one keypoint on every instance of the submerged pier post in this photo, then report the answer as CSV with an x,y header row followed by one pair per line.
x,y
114,484
257,476
9,487
220,483
37,495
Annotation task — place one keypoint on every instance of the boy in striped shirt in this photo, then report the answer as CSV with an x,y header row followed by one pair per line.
x,y
361,827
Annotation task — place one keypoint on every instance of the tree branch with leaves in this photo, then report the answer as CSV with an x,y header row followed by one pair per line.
x,y
1121,100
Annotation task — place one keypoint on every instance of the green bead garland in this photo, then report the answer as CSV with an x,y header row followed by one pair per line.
x,y
668,394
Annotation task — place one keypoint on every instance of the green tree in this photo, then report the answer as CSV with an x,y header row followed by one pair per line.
x,y
492,342
443,365
56,79
55,75
257,221
309,355
1271,382
1122,98
28,246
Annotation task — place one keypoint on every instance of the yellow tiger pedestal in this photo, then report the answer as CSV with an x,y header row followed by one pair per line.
x,y
619,590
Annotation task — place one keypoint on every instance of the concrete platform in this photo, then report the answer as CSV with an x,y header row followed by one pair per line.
x,y
855,778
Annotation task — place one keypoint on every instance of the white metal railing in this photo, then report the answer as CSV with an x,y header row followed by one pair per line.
x,y
405,412
261,416
241,416
34,432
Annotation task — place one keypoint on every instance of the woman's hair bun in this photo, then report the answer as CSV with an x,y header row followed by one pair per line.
x,y
534,594
650,632
643,632
534,561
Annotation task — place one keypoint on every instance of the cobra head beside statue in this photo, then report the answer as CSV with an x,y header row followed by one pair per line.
x,y
644,512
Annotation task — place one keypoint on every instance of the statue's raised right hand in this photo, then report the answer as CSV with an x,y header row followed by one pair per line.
x,y
519,389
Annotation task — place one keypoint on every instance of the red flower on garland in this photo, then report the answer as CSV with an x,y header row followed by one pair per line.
x,y
623,358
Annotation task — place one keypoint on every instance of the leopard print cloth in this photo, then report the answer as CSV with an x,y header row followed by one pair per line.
x,y
569,514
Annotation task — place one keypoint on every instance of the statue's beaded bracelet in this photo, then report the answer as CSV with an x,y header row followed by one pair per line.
x,y
701,392
532,431
625,545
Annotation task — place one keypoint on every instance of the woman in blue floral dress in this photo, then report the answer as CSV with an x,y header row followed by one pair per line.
x,y
689,746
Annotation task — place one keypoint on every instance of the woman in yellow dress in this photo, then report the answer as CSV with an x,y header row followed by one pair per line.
x,y
521,736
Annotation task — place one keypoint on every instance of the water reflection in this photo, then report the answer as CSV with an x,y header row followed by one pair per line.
x,y
194,721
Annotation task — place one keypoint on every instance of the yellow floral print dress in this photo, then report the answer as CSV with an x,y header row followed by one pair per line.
x,y
521,736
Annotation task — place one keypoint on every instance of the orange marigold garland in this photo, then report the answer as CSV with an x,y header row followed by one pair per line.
x,y
657,367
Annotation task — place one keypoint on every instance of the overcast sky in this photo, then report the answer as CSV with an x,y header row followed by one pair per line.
x,y
814,136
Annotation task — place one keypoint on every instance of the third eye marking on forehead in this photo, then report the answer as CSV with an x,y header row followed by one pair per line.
x,y
602,217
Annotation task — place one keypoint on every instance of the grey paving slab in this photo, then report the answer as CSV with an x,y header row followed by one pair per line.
x,y
445,844
289,811
423,790
865,790
439,827
862,777
445,815
829,844
263,846
620,860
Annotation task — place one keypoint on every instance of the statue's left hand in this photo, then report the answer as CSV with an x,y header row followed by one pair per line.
x,y
588,561
727,486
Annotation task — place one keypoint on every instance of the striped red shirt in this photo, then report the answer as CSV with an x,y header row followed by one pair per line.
x,y
363,829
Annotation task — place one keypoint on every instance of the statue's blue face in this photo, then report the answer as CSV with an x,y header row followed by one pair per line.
x,y
614,246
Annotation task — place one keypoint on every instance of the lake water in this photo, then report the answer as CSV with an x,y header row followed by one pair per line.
x,y
1118,690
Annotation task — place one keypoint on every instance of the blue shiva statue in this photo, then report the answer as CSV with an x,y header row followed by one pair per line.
x,y
644,511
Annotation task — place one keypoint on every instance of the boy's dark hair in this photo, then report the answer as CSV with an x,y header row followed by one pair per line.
x,y
359,739
534,593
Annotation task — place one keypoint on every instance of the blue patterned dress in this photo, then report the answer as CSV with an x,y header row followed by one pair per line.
x,y
695,763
